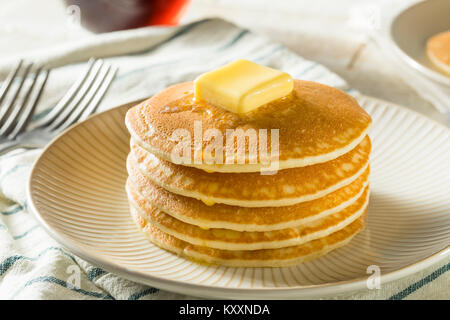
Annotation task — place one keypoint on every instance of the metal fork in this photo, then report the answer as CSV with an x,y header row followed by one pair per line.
x,y
15,115
80,101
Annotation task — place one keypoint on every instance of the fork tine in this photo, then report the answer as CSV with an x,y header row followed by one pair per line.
x,y
92,98
62,104
86,99
29,111
7,110
100,94
17,110
9,80
78,97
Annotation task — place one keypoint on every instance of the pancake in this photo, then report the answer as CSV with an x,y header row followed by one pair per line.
x,y
235,240
287,187
316,124
438,51
250,258
195,212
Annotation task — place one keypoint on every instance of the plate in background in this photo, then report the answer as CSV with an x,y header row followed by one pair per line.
x,y
410,30
77,192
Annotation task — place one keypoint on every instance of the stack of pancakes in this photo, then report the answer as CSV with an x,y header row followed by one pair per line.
x,y
231,214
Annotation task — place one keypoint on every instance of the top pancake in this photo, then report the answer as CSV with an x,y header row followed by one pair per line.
x,y
316,124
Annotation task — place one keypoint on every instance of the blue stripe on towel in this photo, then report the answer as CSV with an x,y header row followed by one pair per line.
x,y
20,236
13,169
275,50
236,39
95,272
41,114
177,34
10,261
64,284
17,208
419,284
309,68
138,295
162,64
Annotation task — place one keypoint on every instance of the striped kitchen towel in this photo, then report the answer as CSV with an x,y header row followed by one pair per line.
x,y
32,265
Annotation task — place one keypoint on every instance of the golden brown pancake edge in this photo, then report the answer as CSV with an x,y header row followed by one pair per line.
x,y
234,240
286,187
193,211
282,257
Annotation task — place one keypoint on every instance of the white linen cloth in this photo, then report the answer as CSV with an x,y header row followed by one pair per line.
x,y
32,265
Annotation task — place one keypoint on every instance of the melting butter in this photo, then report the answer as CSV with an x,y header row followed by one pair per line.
x,y
208,202
242,86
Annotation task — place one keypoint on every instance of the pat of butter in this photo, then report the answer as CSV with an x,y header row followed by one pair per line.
x,y
242,86
208,202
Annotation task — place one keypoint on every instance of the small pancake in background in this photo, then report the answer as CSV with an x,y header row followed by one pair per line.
x,y
316,124
235,240
195,212
286,187
281,257
438,51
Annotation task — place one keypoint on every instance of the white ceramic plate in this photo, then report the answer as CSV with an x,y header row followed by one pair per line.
x,y
411,29
76,190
